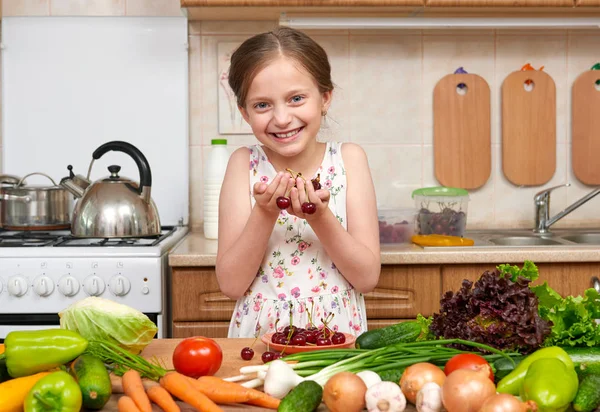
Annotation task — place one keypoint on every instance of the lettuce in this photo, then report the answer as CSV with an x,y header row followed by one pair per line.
x,y
102,319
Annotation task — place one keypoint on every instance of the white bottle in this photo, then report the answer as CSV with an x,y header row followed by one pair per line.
x,y
214,171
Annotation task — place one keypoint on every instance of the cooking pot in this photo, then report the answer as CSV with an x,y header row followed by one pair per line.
x,y
113,206
24,207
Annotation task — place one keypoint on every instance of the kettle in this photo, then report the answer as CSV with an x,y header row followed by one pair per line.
x,y
114,206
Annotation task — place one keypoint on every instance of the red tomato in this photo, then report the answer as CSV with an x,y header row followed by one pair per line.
x,y
197,356
466,361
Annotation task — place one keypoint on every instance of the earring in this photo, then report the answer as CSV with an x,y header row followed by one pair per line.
x,y
323,113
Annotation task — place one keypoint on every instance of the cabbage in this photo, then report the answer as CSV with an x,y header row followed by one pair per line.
x,y
102,319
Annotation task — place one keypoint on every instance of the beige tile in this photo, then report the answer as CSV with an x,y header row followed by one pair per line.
x,y
228,27
514,204
25,8
550,51
1,170
196,185
195,90
396,172
586,214
442,55
385,80
194,27
87,8
153,8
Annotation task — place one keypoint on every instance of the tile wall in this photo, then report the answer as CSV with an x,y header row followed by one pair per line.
x,y
383,99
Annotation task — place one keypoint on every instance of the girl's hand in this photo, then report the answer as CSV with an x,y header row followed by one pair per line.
x,y
266,195
305,192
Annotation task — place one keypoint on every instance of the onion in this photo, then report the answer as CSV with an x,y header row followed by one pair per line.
x,y
465,390
345,392
417,375
503,402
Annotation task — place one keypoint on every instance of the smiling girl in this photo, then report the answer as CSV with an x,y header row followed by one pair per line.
x,y
278,262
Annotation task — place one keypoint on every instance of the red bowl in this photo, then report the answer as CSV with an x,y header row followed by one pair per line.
x,y
266,339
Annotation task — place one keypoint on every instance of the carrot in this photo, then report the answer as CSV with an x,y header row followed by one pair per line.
x,y
222,391
126,404
179,386
134,388
162,398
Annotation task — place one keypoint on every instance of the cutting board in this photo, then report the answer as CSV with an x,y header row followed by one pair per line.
x,y
461,131
585,128
528,128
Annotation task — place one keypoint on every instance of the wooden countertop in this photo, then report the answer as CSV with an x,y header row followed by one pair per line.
x,y
197,251
162,350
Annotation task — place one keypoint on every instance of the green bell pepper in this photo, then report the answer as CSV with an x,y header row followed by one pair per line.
x,y
551,384
512,382
57,392
33,351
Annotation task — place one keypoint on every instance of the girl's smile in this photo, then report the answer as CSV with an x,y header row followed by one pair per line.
x,y
285,137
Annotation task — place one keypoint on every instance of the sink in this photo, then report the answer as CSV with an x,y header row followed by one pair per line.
x,y
589,238
524,241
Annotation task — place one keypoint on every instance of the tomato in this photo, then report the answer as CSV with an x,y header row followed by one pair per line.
x,y
466,361
197,356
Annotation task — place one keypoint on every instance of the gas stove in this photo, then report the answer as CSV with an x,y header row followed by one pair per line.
x,y
42,273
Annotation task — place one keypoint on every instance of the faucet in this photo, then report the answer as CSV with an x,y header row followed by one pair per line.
x,y
543,221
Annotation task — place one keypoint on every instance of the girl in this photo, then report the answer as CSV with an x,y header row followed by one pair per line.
x,y
290,264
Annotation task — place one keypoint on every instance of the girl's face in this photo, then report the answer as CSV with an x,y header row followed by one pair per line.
x,y
284,107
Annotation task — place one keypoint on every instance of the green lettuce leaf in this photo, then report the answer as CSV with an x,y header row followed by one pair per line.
x,y
528,271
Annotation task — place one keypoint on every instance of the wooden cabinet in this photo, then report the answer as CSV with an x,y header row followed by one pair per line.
x,y
500,3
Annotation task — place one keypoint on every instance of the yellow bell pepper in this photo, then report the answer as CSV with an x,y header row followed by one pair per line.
x,y
14,391
1,348
441,240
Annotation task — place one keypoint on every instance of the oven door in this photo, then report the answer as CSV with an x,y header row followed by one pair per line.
x,y
12,322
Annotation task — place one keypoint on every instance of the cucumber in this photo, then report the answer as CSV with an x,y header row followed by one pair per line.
x,y
588,394
403,332
306,397
504,366
585,360
392,375
93,379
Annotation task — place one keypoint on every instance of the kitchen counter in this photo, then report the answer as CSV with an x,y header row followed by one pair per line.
x,y
161,350
197,251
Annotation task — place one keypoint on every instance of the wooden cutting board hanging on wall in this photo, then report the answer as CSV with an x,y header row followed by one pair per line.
x,y
528,128
461,131
585,128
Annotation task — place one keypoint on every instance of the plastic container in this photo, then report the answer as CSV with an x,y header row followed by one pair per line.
x,y
441,210
396,225
214,172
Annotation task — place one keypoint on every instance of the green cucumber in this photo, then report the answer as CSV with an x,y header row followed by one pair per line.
x,y
93,379
504,366
585,360
588,394
403,332
305,397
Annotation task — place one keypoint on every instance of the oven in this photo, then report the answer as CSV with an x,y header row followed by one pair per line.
x,y
43,273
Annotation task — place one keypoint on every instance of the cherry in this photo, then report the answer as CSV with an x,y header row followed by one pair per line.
x,y
268,356
283,202
316,185
298,340
277,355
321,341
338,338
247,353
276,336
311,337
309,208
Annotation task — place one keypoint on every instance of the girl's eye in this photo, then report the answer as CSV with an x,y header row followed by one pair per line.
x,y
297,99
260,106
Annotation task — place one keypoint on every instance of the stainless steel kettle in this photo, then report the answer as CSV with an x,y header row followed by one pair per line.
x,y
113,206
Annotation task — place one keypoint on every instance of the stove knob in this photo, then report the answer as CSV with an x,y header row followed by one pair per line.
x,y
93,286
68,286
17,286
43,286
119,285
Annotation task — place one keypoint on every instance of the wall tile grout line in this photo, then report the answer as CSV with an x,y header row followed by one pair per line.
x,y
498,136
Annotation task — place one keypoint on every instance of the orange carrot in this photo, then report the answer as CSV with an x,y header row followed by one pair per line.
x,y
134,388
126,404
179,386
222,391
162,398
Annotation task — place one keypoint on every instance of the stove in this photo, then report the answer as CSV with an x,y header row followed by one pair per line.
x,y
42,273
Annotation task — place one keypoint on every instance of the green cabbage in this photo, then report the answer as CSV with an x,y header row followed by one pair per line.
x,y
102,319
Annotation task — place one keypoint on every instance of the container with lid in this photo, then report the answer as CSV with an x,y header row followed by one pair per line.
x,y
396,225
214,172
441,210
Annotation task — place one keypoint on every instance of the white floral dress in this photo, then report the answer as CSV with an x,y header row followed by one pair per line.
x,y
296,275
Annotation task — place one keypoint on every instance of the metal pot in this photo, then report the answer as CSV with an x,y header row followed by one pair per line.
x,y
25,207
113,206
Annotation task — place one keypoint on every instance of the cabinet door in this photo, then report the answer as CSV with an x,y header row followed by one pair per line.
x,y
500,3
195,295
206,329
588,3
382,323
404,291
565,278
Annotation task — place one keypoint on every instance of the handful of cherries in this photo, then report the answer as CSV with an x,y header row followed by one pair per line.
x,y
283,202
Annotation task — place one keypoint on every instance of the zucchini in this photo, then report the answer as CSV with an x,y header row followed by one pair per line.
x,y
585,360
403,332
588,394
306,397
93,379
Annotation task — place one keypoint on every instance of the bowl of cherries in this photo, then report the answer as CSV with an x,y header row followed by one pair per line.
x,y
293,339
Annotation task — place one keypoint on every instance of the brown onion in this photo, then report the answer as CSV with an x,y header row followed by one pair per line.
x,y
417,375
503,402
465,390
345,392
